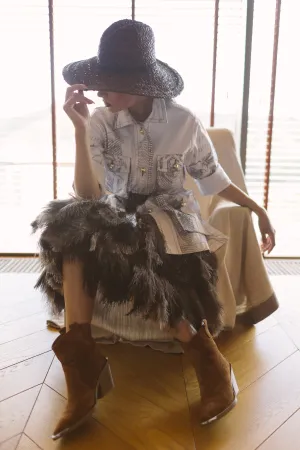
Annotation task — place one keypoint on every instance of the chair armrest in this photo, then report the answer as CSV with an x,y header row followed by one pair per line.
x,y
230,218
227,207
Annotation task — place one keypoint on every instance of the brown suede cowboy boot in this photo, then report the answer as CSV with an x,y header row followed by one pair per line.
x,y
87,374
216,379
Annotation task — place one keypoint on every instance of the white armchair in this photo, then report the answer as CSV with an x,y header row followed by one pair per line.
x,y
244,286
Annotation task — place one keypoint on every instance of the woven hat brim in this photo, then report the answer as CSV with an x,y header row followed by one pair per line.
x,y
159,80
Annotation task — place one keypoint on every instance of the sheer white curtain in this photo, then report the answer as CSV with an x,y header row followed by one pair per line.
x,y
284,185
25,120
184,31
78,27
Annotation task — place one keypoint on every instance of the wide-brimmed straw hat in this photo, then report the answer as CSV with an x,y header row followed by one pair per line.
x,y
126,63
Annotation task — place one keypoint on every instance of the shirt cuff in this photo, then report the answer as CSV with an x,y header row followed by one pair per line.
x,y
215,183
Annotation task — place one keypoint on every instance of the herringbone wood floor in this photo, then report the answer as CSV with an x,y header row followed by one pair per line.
x,y
154,404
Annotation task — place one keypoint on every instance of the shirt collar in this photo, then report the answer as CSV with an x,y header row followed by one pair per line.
x,y
158,115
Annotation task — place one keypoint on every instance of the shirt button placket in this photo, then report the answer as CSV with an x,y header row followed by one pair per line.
x,y
142,168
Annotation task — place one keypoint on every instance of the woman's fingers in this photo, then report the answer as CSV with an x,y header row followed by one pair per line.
x,y
76,105
272,237
79,98
75,87
76,98
266,246
77,110
268,242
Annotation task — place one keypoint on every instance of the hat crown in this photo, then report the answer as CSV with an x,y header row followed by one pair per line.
x,y
127,45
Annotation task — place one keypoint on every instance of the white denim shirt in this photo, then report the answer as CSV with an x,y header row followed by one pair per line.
x,y
152,158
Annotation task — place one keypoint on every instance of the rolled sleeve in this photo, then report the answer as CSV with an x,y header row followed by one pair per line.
x,y
215,183
202,163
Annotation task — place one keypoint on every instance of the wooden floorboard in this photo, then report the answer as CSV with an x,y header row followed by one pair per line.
x,y
286,437
155,402
22,327
10,444
43,419
262,408
257,357
14,412
24,375
26,444
25,348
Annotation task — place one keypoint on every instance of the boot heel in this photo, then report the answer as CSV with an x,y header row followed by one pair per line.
x,y
106,382
234,384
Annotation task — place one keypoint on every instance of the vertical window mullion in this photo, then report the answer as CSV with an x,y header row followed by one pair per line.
x,y
271,108
243,126
53,106
214,68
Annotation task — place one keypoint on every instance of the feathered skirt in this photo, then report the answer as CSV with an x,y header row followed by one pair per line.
x,y
124,259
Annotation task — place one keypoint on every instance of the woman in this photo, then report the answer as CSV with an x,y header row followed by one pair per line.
x,y
144,243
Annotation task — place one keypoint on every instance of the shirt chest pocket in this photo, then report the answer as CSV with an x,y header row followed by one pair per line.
x,y
117,169
170,172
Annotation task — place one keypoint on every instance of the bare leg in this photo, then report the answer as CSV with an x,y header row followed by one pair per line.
x,y
79,306
184,331
87,372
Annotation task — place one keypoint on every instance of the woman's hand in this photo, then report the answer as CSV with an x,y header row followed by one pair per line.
x,y
236,195
267,231
76,106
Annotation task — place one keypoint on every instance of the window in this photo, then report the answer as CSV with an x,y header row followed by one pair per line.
x,y
25,121
184,32
204,40
78,26
230,63
281,126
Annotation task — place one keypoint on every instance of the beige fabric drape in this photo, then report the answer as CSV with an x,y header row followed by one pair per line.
x,y
244,286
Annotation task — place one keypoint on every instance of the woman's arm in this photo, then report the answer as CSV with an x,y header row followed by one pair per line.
x,y
237,196
85,181
201,162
